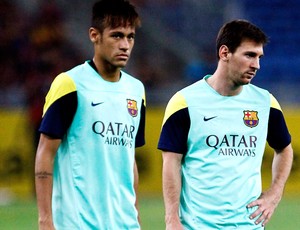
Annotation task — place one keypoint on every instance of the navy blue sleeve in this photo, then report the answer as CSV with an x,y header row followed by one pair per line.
x,y
59,116
140,137
278,134
174,132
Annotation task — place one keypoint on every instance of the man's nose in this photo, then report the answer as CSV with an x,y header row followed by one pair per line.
x,y
124,44
256,63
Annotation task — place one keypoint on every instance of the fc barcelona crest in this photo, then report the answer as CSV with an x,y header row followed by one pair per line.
x,y
250,118
132,107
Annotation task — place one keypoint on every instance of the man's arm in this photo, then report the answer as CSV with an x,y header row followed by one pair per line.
x,y
171,176
136,184
43,179
268,201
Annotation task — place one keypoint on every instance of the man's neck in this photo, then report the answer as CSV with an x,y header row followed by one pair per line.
x,y
107,71
223,86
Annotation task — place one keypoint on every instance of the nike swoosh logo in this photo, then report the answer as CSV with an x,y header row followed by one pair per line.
x,y
208,118
95,104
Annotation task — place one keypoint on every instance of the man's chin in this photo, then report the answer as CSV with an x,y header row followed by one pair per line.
x,y
247,80
121,64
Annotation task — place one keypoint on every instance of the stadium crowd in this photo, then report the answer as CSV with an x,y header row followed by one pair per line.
x,y
33,50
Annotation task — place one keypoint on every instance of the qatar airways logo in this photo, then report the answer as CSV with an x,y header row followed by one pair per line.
x,y
115,133
233,145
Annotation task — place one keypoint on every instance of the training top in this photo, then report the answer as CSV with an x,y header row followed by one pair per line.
x,y
222,139
100,124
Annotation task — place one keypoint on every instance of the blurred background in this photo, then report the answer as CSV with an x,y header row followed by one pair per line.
x,y
174,47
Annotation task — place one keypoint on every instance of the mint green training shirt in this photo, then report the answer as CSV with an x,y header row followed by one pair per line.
x,y
100,124
222,139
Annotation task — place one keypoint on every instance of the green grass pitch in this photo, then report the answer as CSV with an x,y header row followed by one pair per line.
x,y
23,215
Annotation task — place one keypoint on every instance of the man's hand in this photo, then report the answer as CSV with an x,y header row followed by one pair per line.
x,y
267,203
46,224
173,223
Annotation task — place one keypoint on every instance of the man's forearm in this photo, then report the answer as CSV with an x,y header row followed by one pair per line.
x,y
135,184
171,185
281,167
43,183
44,179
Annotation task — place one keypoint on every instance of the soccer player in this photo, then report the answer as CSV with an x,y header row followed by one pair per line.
x,y
213,139
93,118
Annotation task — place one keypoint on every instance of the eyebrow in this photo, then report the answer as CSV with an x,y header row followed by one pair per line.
x,y
120,33
251,53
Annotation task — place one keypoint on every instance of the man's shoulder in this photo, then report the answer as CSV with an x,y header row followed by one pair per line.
x,y
79,68
194,90
131,79
256,88
256,91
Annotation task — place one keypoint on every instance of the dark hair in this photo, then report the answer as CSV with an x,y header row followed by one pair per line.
x,y
114,13
233,33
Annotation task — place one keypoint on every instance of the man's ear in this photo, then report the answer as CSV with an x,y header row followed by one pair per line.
x,y
224,53
94,35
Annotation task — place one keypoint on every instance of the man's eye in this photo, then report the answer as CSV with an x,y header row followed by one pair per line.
x,y
117,35
250,55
